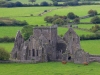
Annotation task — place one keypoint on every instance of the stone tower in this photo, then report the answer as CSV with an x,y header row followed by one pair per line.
x,y
47,37
73,43
16,52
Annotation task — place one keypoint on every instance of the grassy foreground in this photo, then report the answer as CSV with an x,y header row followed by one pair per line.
x,y
50,68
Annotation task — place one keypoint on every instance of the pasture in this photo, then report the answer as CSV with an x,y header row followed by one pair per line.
x,y
24,13
9,31
50,68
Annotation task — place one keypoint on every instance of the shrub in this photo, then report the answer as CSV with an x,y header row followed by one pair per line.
x,y
95,20
92,12
7,39
55,3
59,22
71,15
4,55
44,3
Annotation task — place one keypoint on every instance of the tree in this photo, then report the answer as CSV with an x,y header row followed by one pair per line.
x,y
4,55
18,4
55,3
71,15
95,28
95,20
49,19
32,1
92,12
76,20
27,31
59,22
44,3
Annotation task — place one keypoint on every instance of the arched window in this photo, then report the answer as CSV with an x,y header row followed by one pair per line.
x,y
33,52
37,52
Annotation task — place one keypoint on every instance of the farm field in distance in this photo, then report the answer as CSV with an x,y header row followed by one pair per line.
x,y
50,68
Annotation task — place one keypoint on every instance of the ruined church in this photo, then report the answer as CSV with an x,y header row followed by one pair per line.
x,y
45,45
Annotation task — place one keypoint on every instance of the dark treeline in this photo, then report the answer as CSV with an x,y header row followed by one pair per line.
x,y
11,22
44,3
7,39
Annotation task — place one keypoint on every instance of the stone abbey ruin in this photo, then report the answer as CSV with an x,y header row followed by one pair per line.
x,y
45,45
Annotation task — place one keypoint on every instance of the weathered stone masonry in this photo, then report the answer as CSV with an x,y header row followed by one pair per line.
x,y
45,45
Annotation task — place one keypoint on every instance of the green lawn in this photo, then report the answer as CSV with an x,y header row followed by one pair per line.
x,y
23,13
63,30
50,68
9,31
78,10
91,46
8,46
85,26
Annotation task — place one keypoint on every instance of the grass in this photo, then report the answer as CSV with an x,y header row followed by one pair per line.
x,y
62,31
85,26
91,46
78,10
9,31
23,13
8,46
50,68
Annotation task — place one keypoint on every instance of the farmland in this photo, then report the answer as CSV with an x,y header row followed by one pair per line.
x,y
51,68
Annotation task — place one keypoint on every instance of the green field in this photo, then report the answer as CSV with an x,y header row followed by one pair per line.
x,y
51,68
9,31
8,46
63,30
85,26
23,13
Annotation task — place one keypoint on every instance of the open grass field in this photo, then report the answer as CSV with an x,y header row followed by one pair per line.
x,y
50,68
9,31
8,46
78,10
62,31
23,13
91,46
85,26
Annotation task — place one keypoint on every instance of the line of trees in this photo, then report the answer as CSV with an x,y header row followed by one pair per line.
x,y
62,20
12,22
7,39
45,3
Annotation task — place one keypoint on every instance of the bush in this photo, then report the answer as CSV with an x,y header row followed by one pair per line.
x,y
59,22
71,15
12,22
92,12
4,55
44,3
55,3
7,39
95,20
95,28
90,37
